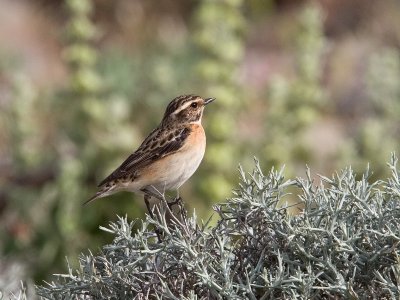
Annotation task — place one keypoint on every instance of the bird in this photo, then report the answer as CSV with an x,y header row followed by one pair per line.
x,y
167,157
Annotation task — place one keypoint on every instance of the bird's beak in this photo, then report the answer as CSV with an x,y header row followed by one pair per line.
x,y
208,101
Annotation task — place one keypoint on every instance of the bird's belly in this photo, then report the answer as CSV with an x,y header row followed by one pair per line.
x,y
170,172
179,169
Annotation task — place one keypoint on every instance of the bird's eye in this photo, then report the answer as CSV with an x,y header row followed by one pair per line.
x,y
194,104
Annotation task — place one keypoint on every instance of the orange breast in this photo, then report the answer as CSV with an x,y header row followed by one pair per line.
x,y
196,139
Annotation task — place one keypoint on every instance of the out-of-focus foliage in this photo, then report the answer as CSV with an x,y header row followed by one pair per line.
x,y
76,105
218,34
30,191
379,132
295,105
282,71
344,245
49,153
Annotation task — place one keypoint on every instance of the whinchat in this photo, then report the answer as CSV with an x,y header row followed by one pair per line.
x,y
169,155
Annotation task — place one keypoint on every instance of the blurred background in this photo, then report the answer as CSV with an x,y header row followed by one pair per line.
x,y
82,82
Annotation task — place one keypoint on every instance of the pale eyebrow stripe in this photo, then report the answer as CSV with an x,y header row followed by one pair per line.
x,y
186,105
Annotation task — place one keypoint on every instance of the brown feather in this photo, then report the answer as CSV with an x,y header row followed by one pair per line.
x,y
140,158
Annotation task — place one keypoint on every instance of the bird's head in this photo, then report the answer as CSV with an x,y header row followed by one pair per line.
x,y
186,109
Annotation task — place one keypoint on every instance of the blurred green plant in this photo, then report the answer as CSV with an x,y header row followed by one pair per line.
x,y
378,132
76,105
219,37
294,105
30,131
49,147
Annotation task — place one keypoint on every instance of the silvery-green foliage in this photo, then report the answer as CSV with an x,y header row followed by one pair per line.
x,y
343,245
21,294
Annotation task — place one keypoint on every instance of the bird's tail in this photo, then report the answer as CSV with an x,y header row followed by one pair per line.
x,y
103,192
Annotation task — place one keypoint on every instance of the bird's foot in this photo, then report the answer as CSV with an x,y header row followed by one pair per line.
x,y
181,208
157,231
176,201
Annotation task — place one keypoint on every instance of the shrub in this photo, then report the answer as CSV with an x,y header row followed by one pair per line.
x,y
343,244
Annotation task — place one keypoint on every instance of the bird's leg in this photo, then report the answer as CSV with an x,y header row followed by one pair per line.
x,y
182,210
173,202
153,193
176,200
146,200
161,197
179,201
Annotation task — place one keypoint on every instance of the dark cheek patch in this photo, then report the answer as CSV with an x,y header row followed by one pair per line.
x,y
190,116
182,115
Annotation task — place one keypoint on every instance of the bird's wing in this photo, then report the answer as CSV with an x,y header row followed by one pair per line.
x,y
152,148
